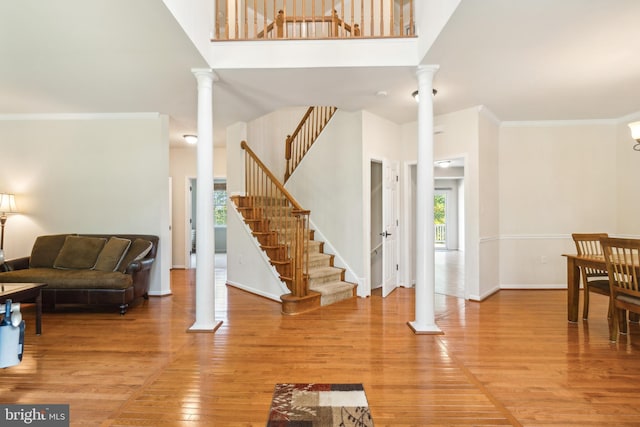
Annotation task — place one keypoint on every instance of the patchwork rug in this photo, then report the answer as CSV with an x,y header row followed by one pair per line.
x,y
319,405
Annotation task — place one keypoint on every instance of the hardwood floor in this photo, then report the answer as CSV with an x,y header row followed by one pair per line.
x,y
510,360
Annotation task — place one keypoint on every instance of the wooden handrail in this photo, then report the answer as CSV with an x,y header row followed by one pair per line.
x,y
271,176
300,141
278,214
312,19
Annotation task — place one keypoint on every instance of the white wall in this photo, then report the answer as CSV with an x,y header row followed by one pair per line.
x,y
196,17
627,181
329,182
460,139
556,178
381,140
87,174
431,17
182,167
488,203
267,137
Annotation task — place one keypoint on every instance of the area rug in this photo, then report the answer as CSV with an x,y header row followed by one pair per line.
x,y
319,405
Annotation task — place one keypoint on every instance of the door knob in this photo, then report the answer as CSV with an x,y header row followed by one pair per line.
x,y
385,234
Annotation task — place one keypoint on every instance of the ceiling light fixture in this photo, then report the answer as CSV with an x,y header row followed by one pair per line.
x,y
635,134
191,139
416,94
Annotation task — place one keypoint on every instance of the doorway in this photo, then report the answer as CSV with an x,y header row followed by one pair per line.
x,y
220,199
448,228
384,206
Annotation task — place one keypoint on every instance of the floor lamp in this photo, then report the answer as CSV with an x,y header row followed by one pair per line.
x,y
7,205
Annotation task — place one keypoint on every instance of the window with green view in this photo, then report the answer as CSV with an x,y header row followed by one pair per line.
x,y
220,203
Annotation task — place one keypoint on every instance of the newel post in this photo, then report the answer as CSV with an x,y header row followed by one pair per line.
x,y
287,155
299,281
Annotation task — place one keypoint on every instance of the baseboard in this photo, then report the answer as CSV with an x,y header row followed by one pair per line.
x,y
159,293
255,291
536,286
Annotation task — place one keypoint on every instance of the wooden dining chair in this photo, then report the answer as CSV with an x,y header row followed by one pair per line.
x,y
622,257
593,279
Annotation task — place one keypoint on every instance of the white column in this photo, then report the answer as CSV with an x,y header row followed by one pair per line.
x,y
425,263
205,250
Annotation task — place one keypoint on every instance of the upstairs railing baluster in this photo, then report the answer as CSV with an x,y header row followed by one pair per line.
x,y
298,19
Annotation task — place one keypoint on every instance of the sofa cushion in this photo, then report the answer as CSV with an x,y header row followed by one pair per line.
x,y
45,250
79,252
69,279
112,253
139,249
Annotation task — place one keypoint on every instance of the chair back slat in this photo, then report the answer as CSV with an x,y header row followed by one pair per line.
x,y
622,257
589,244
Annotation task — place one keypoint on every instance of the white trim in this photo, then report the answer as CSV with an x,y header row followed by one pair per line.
x,y
179,267
534,236
255,291
552,236
489,114
482,240
160,293
350,275
484,295
79,116
629,117
558,123
536,286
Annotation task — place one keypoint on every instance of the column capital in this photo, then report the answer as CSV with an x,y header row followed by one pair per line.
x,y
426,72
205,74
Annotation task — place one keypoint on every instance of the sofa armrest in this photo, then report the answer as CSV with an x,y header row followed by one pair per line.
x,y
140,265
17,263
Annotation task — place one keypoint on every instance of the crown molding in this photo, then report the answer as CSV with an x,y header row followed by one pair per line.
x,y
79,116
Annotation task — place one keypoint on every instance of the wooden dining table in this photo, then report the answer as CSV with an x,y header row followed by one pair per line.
x,y
574,262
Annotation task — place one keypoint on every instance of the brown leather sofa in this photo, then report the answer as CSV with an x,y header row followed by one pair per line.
x,y
87,269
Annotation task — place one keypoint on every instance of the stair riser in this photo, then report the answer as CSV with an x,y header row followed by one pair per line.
x,y
325,279
320,262
270,239
283,269
279,254
337,297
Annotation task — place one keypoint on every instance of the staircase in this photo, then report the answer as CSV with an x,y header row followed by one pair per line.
x,y
281,229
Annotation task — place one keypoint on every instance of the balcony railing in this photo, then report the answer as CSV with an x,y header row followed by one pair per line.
x,y
312,19
440,234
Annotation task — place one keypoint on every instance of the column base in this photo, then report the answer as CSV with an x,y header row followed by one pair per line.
x,y
425,329
210,328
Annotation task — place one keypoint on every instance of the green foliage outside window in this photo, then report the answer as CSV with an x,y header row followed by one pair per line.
x,y
220,207
438,209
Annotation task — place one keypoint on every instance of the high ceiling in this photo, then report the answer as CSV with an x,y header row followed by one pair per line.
x,y
523,60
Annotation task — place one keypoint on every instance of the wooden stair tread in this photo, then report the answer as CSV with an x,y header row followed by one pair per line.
x,y
324,271
332,287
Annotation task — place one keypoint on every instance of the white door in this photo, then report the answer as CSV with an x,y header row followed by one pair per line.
x,y
390,226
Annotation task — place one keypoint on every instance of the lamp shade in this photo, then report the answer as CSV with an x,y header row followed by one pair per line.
x,y
635,130
7,203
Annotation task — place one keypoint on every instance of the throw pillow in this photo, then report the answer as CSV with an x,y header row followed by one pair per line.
x,y
45,250
79,252
112,253
139,249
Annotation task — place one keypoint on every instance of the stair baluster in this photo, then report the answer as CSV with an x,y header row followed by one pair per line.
x,y
301,140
